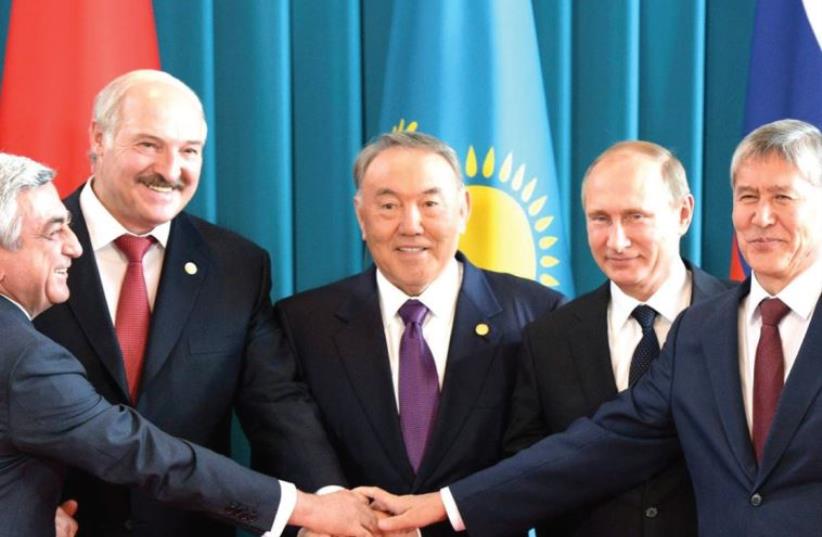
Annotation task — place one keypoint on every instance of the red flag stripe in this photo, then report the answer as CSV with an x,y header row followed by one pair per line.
x,y
58,56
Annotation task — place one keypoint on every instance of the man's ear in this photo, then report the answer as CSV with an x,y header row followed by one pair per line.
x,y
686,214
357,211
95,139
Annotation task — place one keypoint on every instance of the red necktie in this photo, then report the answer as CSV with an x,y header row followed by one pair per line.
x,y
133,312
769,372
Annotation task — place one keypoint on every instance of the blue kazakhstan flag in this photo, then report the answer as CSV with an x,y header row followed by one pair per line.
x,y
468,72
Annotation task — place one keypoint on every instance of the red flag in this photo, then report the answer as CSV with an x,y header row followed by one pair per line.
x,y
59,54
739,269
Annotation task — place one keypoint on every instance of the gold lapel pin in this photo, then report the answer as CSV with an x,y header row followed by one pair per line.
x,y
482,329
190,268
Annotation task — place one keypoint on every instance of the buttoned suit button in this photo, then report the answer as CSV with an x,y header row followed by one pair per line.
x,y
756,500
651,512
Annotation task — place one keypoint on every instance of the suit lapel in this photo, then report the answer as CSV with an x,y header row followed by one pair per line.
x,y
720,346
89,306
801,388
588,340
469,358
364,354
176,294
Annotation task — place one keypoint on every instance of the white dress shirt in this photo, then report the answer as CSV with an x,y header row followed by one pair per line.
x,y
440,297
624,332
801,296
103,229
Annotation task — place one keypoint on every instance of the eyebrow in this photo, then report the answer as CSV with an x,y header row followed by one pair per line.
x,y
389,192
773,188
62,220
156,138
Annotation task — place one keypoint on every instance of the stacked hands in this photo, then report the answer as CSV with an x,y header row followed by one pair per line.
x,y
362,512
369,511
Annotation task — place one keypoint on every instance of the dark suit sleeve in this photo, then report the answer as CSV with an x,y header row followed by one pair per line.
x,y
275,407
526,423
54,412
627,441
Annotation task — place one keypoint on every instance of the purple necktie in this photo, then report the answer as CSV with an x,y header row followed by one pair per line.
x,y
769,372
419,385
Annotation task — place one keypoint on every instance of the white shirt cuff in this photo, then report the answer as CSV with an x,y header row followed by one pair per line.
x,y
288,500
451,509
328,489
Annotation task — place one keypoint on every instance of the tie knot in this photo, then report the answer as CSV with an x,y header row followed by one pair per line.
x,y
772,311
645,316
413,311
133,247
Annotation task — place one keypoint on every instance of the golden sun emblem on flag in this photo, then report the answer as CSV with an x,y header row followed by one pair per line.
x,y
508,230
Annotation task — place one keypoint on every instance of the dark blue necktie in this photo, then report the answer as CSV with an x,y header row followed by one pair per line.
x,y
648,347
419,385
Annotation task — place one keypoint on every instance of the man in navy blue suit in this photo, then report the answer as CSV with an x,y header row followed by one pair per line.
x,y
350,338
736,388
51,416
210,347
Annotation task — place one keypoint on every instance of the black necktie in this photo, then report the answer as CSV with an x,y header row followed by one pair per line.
x,y
648,347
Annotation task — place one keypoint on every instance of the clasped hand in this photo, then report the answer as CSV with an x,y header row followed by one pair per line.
x,y
397,516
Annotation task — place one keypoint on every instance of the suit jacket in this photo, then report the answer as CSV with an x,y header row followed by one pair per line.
x,y
339,340
690,398
51,416
566,373
213,348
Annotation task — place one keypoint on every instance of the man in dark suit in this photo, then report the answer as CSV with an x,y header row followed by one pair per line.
x,y
349,337
195,339
637,205
736,387
51,416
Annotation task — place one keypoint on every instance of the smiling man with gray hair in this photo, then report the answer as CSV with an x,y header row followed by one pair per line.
x,y
51,416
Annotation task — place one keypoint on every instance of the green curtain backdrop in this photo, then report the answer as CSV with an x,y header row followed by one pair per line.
x,y
293,88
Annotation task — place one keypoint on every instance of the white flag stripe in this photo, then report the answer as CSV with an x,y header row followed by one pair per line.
x,y
813,10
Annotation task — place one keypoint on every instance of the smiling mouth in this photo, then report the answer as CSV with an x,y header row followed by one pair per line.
x,y
412,249
157,183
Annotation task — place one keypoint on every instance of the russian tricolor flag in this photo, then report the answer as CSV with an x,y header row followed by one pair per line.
x,y
785,79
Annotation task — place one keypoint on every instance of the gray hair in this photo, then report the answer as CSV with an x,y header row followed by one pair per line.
x,y
408,140
17,174
796,142
671,170
106,110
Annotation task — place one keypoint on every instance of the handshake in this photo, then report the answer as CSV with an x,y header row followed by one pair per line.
x,y
366,512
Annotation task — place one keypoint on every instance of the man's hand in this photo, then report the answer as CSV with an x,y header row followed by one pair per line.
x,y
343,513
410,511
380,515
64,523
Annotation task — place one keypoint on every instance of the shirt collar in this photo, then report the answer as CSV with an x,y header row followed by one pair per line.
x,y
666,301
801,294
28,316
439,297
103,228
